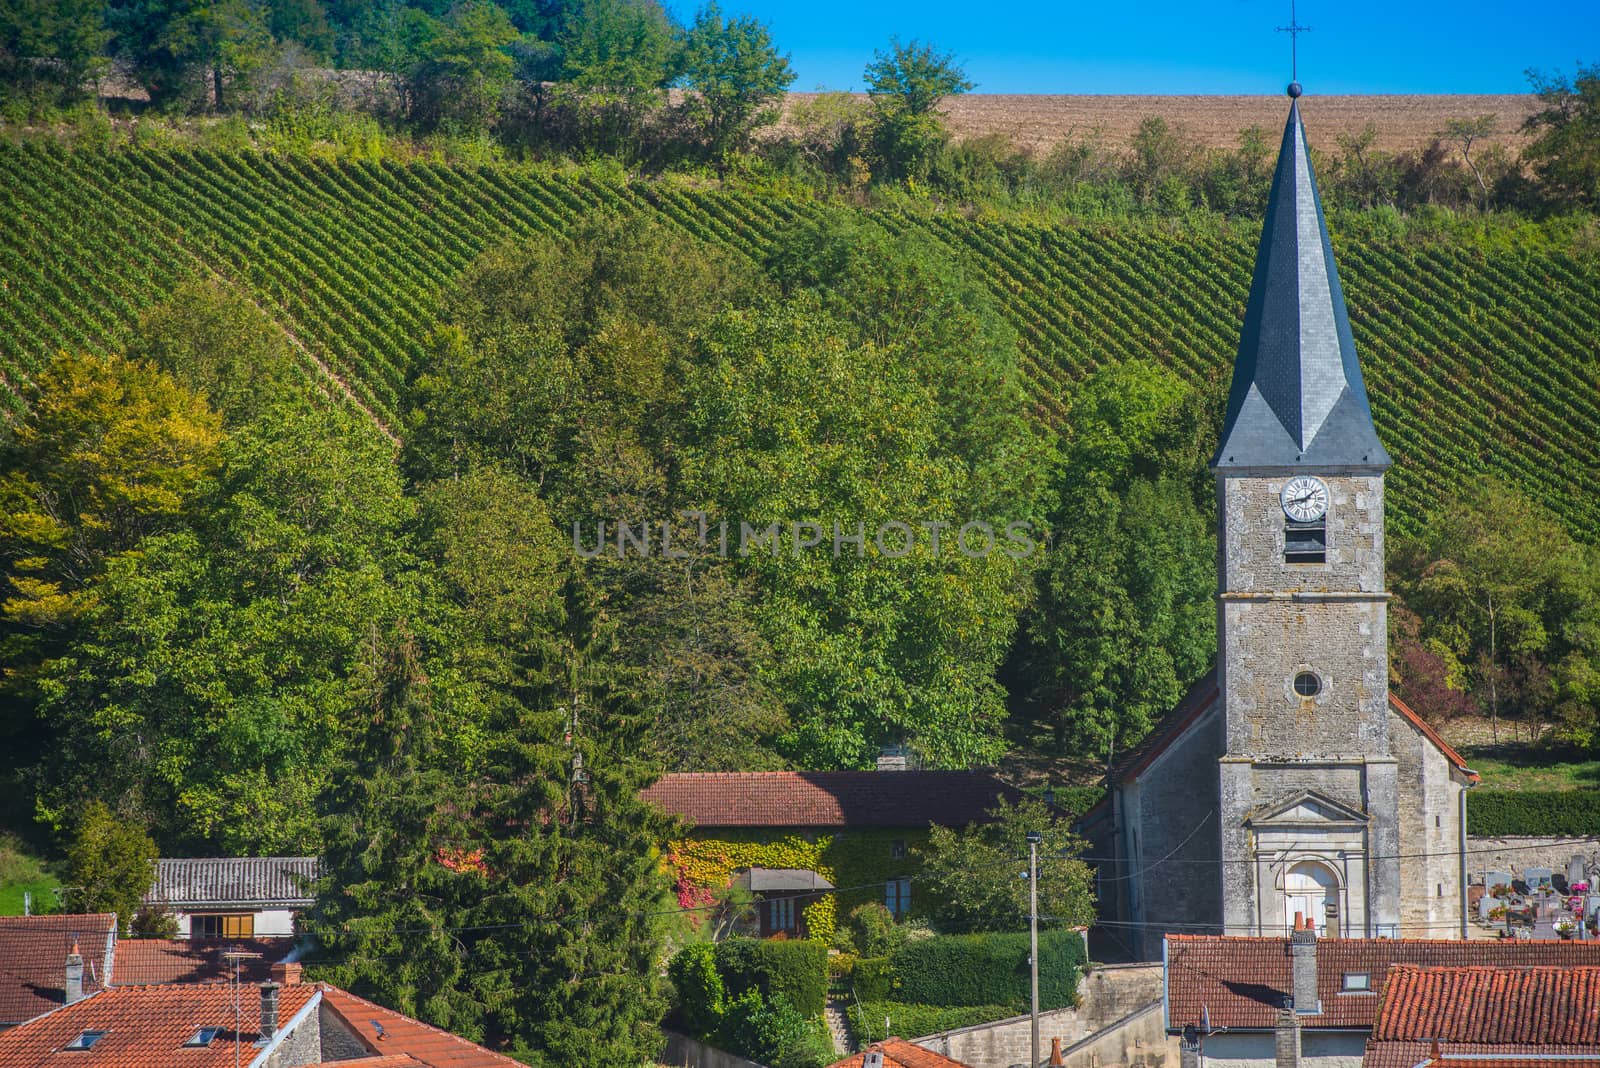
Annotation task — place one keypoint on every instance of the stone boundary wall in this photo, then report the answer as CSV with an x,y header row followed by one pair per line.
x,y
1112,1021
1514,854
686,1052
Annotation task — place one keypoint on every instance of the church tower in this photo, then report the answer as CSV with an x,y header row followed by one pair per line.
x,y
1308,804
1289,781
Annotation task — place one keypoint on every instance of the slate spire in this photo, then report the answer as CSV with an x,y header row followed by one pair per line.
x,y
1297,399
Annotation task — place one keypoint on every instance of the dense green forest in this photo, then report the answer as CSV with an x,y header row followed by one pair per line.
x,y
347,350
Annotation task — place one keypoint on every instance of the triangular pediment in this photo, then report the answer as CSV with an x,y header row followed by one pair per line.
x,y
1306,808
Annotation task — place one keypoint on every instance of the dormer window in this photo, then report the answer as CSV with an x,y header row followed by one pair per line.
x,y
204,1036
86,1040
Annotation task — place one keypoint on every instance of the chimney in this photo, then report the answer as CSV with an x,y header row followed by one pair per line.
x,y
872,1059
1055,1053
1286,1035
285,973
1303,964
74,987
269,1011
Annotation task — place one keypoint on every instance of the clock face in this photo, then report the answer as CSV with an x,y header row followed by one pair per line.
x,y
1304,499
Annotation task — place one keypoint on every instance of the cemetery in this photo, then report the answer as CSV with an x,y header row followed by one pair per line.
x,y
1539,903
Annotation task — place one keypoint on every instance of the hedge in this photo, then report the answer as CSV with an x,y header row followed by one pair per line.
x,y
914,1021
1544,813
797,969
988,969
873,979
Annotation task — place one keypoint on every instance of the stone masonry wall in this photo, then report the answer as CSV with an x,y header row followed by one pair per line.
x,y
1430,818
1174,876
1515,854
1107,996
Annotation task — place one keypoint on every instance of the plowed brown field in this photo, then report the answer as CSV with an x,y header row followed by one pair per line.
x,y
1402,122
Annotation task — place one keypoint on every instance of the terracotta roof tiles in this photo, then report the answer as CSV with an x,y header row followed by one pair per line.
x,y
830,798
1543,1005
141,961
898,1053
148,1026
1457,1055
1241,982
33,960
403,1035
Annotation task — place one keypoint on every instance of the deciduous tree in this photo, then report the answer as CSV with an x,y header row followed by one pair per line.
x,y
977,875
734,74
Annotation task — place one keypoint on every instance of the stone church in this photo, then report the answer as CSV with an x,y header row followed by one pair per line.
x,y
1289,781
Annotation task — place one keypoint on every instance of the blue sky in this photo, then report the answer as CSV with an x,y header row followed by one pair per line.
x,y
1204,46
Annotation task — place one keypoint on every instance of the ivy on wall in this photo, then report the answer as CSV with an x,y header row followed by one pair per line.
x,y
859,861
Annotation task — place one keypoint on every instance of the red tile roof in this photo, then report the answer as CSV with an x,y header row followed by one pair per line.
x,y
403,1035
1542,1005
33,959
141,961
1199,700
1241,982
898,1053
1458,1055
830,798
147,1026
398,1060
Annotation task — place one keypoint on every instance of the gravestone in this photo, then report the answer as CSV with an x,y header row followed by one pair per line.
x,y
1486,904
1535,876
1575,868
1492,879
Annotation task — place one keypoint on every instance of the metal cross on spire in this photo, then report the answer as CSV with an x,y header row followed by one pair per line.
x,y
1294,30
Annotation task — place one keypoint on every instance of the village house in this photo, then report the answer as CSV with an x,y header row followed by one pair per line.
x,y
282,1023
1289,780
50,961
792,837
1310,1002
233,897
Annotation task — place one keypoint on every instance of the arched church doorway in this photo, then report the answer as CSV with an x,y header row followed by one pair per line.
x,y
1311,890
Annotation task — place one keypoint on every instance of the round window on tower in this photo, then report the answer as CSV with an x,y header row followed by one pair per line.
x,y
1307,684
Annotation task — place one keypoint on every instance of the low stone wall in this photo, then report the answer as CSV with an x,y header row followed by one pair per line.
x,y
1516,854
685,1052
1111,1023
1138,1040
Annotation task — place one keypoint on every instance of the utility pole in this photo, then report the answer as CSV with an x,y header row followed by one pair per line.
x,y
1034,837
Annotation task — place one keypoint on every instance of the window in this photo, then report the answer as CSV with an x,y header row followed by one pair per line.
x,y
897,896
1307,684
897,848
86,1040
234,925
1305,543
204,1036
780,916
1357,982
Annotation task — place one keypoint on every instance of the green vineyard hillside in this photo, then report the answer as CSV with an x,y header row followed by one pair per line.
x,y
1479,360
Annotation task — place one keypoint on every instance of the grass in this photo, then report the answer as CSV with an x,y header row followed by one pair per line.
x,y
1526,767
22,873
